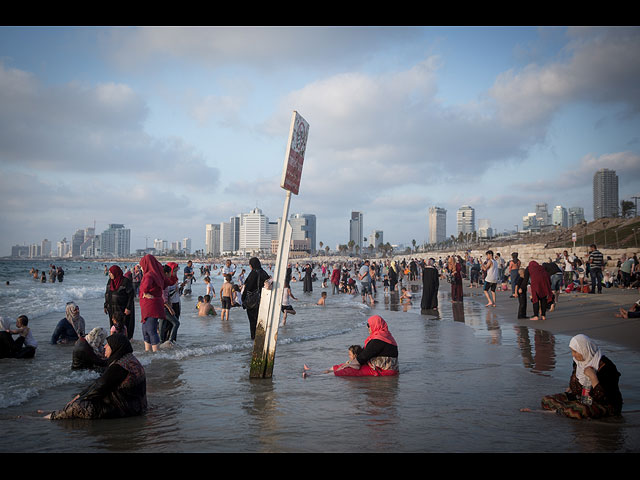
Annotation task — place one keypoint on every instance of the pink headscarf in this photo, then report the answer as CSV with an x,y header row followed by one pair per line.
x,y
379,330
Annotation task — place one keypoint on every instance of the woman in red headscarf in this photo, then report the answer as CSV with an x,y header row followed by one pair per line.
x,y
119,297
541,294
456,281
379,357
151,300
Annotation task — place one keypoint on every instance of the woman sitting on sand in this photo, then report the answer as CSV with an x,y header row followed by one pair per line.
x,y
121,391
379,357
597,375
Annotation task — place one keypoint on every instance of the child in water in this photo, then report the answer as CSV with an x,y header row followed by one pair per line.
x,y
206,308
200,302
323,297
354,351
117,325
406,296
521,291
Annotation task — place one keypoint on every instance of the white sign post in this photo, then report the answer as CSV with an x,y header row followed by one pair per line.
x,y
264,346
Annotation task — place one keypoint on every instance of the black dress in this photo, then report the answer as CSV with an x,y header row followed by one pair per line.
x,y
430,285
119,300
85,358
251,296
308,284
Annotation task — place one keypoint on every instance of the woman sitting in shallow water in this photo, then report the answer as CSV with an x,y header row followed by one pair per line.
x,y
121,391
590,367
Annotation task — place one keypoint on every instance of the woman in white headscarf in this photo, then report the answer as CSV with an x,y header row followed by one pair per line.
x,y
70,328
88,351
593,388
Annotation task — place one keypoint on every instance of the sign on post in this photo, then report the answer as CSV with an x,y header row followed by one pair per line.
x,y
292,171
264,346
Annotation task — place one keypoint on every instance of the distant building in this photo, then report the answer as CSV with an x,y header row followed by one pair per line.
x,y
45,248
186,245
542,215
484,228
212,239
63,248
356,232
116,240
466,219
560,217
303,227
20,251
437,224
605,194
230,236
255,234
376,238
530,222
576,216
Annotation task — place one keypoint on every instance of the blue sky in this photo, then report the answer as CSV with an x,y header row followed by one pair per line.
x,y
166,129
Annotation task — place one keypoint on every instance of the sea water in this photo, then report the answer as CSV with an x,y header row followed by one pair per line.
x,y
465,374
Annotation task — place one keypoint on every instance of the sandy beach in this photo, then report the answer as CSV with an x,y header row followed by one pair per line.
x,y
592,315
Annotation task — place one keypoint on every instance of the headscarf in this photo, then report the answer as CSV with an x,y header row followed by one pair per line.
x,y
116,271
75,318
174,277
153,271
255,263
540,283
6,324
120,346
379,330
96,339
589,351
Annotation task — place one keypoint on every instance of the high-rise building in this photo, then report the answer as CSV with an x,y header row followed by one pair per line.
x,y
356,230
63,248
484,228
466,219
542,215
376,238
45,248
605,194
303,226
255,234
77,239
530,222
116,240
576,215
186,245
19,251
230,235
560,216
212,242
437,224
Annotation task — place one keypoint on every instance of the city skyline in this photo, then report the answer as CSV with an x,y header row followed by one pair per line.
x,y
166,130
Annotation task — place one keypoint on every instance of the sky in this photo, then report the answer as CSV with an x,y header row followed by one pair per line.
x,y
166,129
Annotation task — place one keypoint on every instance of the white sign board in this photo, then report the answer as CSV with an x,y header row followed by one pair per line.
x,y
292,171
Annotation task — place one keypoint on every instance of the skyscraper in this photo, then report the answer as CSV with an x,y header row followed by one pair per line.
x,y
576,215
484,228
116,240
356,230
560,216
255,234
466,219
304,226
212,239
605,194
437,224
542,214
376,238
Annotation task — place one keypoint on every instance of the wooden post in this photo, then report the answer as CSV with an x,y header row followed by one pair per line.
x,y
264,346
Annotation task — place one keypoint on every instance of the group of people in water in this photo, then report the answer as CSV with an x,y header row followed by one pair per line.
x,y
121,389
55,273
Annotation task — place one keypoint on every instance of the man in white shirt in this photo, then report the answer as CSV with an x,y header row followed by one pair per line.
x,y
490,266
229,269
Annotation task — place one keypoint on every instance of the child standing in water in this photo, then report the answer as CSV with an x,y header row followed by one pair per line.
x,y
226,293
354,350
286,307
323,297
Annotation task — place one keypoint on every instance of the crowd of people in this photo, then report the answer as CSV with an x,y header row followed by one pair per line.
x,y
121,388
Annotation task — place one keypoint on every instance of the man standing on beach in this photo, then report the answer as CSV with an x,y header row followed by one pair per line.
x,y
596,262
364,275
490,266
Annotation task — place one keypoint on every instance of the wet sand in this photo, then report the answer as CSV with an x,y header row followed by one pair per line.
x,y
590,314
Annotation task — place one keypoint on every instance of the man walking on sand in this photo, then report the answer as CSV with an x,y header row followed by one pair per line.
x,y
490,266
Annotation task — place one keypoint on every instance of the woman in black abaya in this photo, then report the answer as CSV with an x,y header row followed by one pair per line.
x,y
430,285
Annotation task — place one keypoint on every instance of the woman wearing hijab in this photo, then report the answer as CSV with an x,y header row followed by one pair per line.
x,y
307,286
393,276
70,328
541,294
119,297
430,285
379,357
121,391
594,374
456,281
252,292
151,300
88,351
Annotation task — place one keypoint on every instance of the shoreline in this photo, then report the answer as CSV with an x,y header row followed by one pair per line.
x,y
590,314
